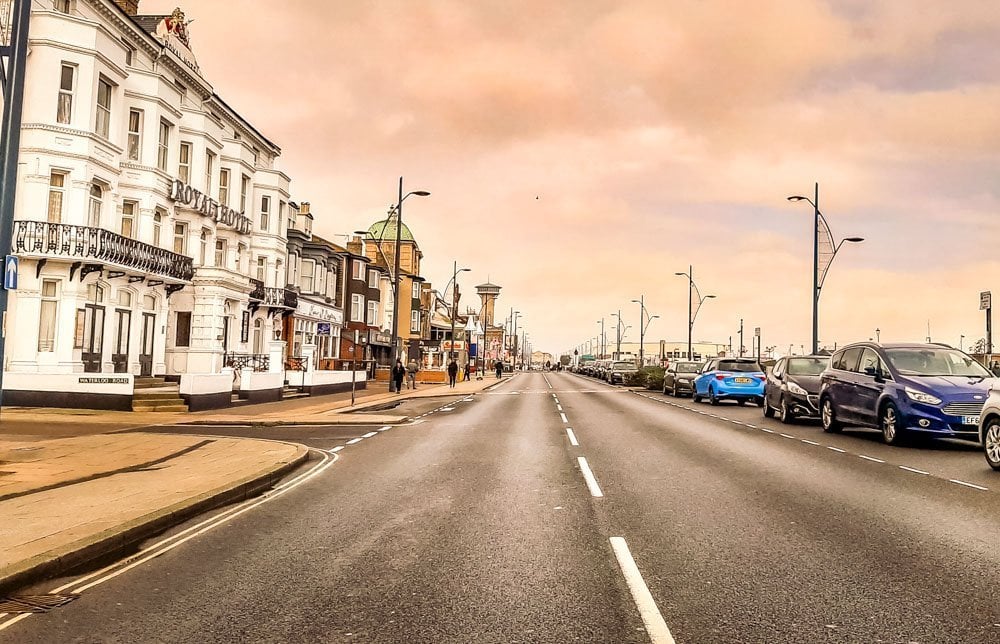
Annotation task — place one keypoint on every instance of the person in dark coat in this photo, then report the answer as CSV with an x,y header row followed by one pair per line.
x,y
452,372
398,373
468,371
499,368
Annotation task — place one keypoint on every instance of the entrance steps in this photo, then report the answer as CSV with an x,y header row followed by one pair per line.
x,y
290,393
156,394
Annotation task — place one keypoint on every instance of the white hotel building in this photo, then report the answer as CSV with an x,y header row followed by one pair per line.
x,y
149,223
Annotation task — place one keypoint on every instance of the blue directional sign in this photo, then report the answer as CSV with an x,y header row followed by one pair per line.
x,y
10,273
322,328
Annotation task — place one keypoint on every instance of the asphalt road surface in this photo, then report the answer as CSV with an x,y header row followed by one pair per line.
x,y
555,508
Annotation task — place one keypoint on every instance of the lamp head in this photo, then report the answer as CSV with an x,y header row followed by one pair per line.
x,y
854,240
464,270
708,297
796,198
681,274
421,193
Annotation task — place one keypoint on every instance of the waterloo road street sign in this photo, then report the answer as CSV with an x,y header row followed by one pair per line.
x,y
10,273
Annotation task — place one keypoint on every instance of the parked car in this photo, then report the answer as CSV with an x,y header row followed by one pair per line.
x,y
679,377
739,379
904,389
792,387
619,370
989,427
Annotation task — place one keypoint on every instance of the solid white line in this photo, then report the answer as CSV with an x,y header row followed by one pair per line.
x,y
810,442
588,476
572,437
337,449
385,429
910,469
869,458
837,449
563,416
369,434
354,440
972,485
651,617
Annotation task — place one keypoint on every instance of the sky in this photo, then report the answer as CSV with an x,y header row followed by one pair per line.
x,y
580,153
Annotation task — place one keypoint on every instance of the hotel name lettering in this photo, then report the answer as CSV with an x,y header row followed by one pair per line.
x,y
197,200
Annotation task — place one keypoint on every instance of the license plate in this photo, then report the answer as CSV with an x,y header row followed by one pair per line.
x,y
970,420
742,381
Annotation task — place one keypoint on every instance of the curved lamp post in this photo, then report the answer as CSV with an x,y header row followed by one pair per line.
x,y
454,302
830,252
643,325
692,311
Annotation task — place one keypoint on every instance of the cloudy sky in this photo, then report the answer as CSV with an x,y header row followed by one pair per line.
x,y
581,152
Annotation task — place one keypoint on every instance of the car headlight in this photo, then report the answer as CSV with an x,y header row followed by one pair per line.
x,y
919,396
796,389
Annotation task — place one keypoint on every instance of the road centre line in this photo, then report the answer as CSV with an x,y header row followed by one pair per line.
x,y
559,407
588,476
656,627
369,434
786,436
910,469
572,437
972,485
354,440
769,431
385,429
836,449
809,442
337,449
870,458
563,416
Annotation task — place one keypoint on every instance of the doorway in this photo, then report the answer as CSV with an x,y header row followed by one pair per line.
x,y
146,349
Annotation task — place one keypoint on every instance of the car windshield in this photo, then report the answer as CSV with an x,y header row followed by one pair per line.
x,y
688,367
739,365
807,366
935,362
622,366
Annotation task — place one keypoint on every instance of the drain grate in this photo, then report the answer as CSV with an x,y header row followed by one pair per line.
x,y
34,603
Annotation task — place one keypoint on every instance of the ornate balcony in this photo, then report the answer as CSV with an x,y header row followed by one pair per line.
x,y
280,298
97,248
257,294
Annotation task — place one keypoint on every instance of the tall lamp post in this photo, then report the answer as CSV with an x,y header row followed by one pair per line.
x,y
618,335
830,249
643,325
692,311
515,345
395,271
454,303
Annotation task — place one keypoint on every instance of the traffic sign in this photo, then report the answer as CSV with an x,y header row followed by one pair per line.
x,y
756,331
985,300
10,273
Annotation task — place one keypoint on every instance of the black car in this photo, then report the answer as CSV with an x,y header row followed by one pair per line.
x,y
679,377
792,387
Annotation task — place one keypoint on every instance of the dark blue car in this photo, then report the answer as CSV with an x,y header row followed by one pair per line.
x,y
904,389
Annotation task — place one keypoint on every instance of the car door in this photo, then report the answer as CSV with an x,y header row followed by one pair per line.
x,y
701,382
840,382
669,377
868,387
772,391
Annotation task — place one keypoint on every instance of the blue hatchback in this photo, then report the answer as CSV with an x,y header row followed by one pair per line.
x,y
739,379
901,389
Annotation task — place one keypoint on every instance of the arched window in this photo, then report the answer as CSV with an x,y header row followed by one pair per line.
x,y
95,293
149,303
96,206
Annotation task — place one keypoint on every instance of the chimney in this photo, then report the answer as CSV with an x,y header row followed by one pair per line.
x,y
304,208
131,7
355,247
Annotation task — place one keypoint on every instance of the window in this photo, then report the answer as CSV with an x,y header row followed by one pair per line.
x,y
240,249
47,318
308,275
372,313
103,123
203,246
182,337
129,52
180,239
127,228
265,212
163,146
184,165
67,85
256,155
372,279
62,6
261,268
414,321
245,327
157,224
359,270
357,307
220,253
134,134
183,92
209,167
416,290
849,359
281,215
331,282
96,204
57,185
224,187
279,274
244,187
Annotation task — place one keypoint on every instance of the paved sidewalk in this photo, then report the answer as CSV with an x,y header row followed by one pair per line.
x,y
67,501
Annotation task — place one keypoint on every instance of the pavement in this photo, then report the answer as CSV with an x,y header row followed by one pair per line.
x,y
77,486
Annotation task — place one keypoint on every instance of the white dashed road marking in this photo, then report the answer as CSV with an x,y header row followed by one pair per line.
x,y
656,627
572,437
369,434
354,440
337,448
588,476
869,458
910,469
972,485
563,416
837,449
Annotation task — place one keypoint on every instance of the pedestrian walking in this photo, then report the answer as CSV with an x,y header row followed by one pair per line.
x,y
452,372
411,372
499,368
398,372
468,371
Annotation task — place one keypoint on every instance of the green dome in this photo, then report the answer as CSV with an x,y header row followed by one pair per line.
x,y
386,230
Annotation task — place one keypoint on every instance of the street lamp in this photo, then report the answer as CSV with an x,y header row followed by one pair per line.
x,y
515,345
692,312
454,303
602,340
831,247
643,326
618,335
395,271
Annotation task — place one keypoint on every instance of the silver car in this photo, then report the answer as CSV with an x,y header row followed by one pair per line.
x,y
989,427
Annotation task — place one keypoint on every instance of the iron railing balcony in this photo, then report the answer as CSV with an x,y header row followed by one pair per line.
x,y
257,294
280,298
45,240
255,361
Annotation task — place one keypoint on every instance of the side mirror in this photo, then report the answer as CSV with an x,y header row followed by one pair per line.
x,y
871,371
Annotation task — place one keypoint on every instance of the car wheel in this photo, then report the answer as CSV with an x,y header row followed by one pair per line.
x,y
889,422
673,391
712,398
664,390
741,403
830,423
695,397
768,410
787,416
991,443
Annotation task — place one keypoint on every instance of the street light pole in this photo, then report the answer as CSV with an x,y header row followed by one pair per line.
x,y
395,273
693,312
454,304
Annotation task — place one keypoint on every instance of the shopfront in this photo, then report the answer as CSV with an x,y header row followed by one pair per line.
x,y
318,324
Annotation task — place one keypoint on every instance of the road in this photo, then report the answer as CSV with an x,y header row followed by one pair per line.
x,y
478,524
